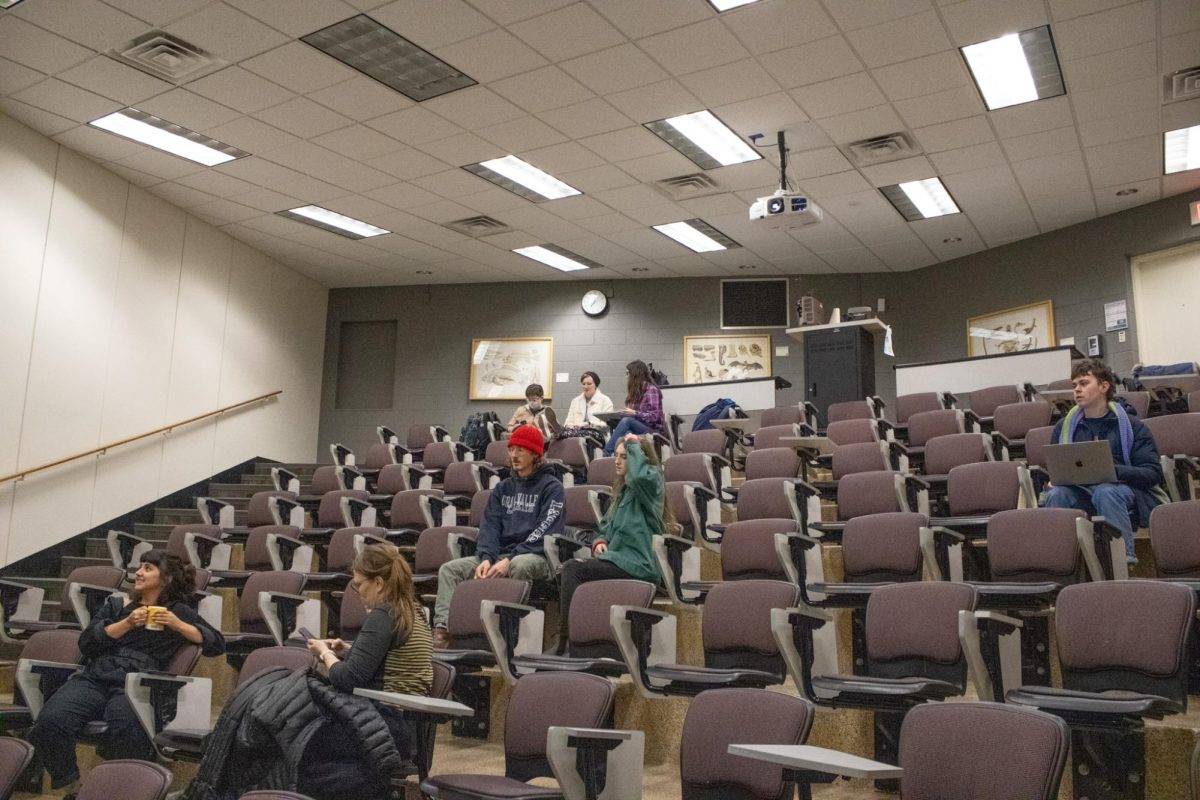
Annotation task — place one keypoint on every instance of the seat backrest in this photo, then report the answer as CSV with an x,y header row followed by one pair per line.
x,y
544,699
689,467
433,549
850,409
1140,401
912,630
175,540
378,456
867,493
460,479
1193,402
340,554
250,618
443,682
1036,440
127,779
851,431
352,614
324,479
748,549
479,503
257,556
1175,539
784,415
925,425
764,498
15,756
406,508
709,440
859,457
1060,384
950,750
97,576
603,471
1034,544
915,403
984,488
883,548
258,510
944,453
329,512
1176,434
1126,635
203,577
184,660
418,436
571,451
985,401
590,632
497,453
265,658
578,511
1014,420
390,479
463,622
53,645
718,718
773,436
675,496
439,455
772,462
737,624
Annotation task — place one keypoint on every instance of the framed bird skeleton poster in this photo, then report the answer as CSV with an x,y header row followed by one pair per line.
x,y
726,358
1013,330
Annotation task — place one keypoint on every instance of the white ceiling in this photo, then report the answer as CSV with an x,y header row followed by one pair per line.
x,y
567,85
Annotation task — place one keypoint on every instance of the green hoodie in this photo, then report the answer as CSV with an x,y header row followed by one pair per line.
x,y
635,518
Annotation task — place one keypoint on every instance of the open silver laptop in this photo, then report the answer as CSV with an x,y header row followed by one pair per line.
x,y
1080,463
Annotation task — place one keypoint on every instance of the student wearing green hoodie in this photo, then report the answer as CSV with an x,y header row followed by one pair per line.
x,y
623,549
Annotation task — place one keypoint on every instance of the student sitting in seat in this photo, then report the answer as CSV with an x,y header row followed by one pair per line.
x,y
1096,415
122,638
536,412
643,406
590,402
624,549
521,510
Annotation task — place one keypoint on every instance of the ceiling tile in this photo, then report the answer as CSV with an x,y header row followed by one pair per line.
x,y
1052,175
542,89
432,23
403,196
656,101
1179,15
1041,115
414,125
765,27
453,184
615,70
251,135
188,109
637,18
916,168
407,163
862,124
66,100
927,75
509,11
1114,29
473,107
852,14
658,166
730,83
812,163
586,119
1147,191
98,144
258,170
559,159
1043,143
956,134
904,256
268,200
1144,94
609,223
1058,211
14,77
518,134
568,32
698,46
931,109
300,68
838,96
179,195
900,40
1119,128
856,259
951,226
491,56
159,164
1179,51
966,159
980,20
114,80
226,32
836,185
225,211
159,12
241,90
360,98
767,114
1106,69
1180,115
87,22
1125,162
624,144
577,208
812,62
303,117
715,205
630,198
358,142
136,177
464,148
1066,9
296,17
38,49
218,184
597,179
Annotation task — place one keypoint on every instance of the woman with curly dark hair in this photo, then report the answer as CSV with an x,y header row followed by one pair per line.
x,y
136,634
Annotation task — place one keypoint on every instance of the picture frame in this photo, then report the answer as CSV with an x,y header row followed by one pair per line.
x,y
708,358
1012,330
501,368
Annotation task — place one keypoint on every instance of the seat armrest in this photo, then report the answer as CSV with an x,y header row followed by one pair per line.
x,y
800,760
1001,445
560,548
505,626
38,680
279,610
124,548
896,452
991,643
161,700
434,708
887,431
790,549
949,400
970,418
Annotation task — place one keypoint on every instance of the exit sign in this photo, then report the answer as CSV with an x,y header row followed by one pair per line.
x,y
1196,212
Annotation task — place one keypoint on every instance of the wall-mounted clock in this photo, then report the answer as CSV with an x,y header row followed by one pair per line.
x,y
594,303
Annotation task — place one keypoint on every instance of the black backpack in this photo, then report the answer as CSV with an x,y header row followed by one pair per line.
x,y
475,435
657,376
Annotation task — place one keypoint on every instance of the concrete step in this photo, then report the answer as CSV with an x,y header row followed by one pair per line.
x,y
189,516
302,471
52,586
261,485
152,532
69,563
230,490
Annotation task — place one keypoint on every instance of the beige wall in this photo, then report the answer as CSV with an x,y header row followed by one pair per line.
x,y
120,313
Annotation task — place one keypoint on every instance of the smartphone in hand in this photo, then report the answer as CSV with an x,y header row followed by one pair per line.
x,y
305,633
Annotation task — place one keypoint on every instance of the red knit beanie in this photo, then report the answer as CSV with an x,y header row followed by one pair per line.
x,y
528,437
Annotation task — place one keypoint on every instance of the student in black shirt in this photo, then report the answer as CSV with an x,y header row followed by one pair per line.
x,y
118,642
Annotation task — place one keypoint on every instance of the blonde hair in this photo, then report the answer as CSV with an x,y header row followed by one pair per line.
x,y
385,562
666,523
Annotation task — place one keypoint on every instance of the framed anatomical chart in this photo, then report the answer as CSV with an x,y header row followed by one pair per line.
x,y
726,358
1013,330
502,368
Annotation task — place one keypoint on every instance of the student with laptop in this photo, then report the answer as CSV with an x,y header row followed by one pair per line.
x,y
1127,501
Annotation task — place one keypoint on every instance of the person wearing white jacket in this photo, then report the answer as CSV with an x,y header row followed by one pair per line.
x,y
590,402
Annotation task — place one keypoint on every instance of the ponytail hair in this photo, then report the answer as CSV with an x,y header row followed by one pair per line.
x,y
385,562
177,577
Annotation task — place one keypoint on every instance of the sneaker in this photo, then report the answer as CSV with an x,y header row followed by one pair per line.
x,y
441,638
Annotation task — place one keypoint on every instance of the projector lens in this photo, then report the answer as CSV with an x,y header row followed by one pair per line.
x,y
775,205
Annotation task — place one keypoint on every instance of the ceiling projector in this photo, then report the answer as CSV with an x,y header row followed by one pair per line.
x,y
784,211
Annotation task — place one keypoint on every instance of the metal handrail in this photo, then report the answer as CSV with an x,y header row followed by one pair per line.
x,y
104,448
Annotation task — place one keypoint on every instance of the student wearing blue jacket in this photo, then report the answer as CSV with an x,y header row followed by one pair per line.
x,y
1096,415
520,512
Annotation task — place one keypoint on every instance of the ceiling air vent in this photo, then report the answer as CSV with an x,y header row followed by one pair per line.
x,y
478,227
167,57
1182,85
880,149
687,187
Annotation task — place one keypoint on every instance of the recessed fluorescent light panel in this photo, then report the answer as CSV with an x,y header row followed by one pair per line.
x,y
725,5
333,222
921,199
697,235
521,177
1181,150
168,137
703,138
1016,68
557,257
381,53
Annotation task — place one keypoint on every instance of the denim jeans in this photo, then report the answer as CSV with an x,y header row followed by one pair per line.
x,y
1113,501
627,425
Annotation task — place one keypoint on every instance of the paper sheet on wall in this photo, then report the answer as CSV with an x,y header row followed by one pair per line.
x,y
887,341
1116,317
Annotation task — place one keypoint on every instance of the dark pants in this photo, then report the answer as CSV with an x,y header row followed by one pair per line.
x,y
627,425
333,767
82,700
576,573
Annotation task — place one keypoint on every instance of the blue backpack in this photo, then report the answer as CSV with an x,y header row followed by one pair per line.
x,y
719,409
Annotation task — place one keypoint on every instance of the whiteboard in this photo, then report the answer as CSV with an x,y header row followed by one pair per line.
x,y
1038,367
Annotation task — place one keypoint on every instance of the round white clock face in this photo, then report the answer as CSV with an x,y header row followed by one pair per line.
x,y
594,303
